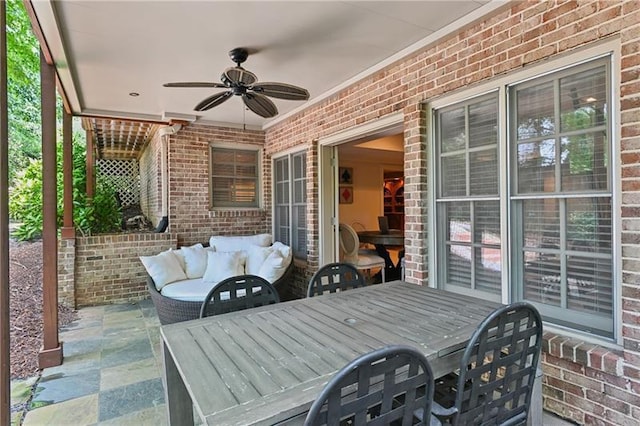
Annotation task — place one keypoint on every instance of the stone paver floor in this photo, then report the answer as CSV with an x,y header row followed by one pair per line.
x,y
111,374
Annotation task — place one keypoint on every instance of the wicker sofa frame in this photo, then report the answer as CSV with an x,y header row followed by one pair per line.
x,y
172,310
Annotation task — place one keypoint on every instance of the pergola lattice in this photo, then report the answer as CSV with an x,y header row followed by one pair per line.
x,y
119,139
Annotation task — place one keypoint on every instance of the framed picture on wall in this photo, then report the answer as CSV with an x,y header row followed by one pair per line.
x,y
345,175
346,195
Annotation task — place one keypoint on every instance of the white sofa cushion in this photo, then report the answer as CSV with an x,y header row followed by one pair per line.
x,y
180,255
237,243
195,259
276,263
164,268
222,265
255,258
193,290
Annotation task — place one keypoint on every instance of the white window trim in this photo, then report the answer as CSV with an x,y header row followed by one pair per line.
x,y
606,48
238,147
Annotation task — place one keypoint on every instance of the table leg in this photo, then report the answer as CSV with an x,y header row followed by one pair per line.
x,y
176,397
535,409
392,272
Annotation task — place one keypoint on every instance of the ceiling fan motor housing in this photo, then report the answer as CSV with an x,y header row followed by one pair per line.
x,y
239,55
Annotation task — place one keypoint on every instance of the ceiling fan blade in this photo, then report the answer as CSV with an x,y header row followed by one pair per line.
x,y
282,91
238,75
213,100
261,105
194,84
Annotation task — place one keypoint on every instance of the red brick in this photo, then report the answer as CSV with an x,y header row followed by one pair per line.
x,y
565,386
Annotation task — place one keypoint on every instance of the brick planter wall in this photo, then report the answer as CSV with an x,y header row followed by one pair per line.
x,y
108,268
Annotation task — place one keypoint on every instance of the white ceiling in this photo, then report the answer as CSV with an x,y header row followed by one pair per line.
x,y
104,50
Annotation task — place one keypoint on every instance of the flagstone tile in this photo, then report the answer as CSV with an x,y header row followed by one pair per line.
x,y
77,411
128,399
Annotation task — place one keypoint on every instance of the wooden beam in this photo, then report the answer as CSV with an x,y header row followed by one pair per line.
x,y
51,353
5,347
68,230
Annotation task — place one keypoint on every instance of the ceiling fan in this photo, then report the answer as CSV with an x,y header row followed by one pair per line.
x,y
241,82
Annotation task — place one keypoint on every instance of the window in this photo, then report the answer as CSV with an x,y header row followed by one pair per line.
x,y
233,177
561,196
290,202
558,193
468,203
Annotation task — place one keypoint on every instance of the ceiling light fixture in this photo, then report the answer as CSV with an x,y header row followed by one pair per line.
x,y
591,99
134,94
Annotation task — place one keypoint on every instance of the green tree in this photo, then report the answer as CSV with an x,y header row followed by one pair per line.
x,y
23,89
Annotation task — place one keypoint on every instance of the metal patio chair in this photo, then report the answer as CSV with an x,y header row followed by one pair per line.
x,y
497,371
333,277
238,293
382,387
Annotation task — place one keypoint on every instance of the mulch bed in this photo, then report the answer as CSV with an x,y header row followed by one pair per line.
x,y
25,288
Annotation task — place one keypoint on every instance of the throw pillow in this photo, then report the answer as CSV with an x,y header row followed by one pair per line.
x,y
243,242
164,268
180,256
273,267
195,259
222,265
255,258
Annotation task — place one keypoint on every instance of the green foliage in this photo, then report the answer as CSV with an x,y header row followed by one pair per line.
x,y
23,89
25,202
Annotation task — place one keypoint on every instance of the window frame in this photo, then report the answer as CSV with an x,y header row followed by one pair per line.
x,y
563,196
610,51
258,179
289,156
473,200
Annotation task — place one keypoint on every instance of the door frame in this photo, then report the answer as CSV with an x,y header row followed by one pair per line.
x,y
328,178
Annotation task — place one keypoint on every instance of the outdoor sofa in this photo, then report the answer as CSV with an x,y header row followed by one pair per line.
x,y
179,280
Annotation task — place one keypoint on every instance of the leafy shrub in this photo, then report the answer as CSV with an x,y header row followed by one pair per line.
x,y
100,215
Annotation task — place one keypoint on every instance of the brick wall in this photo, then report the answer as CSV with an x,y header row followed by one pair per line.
x,y
150,180
66,271
108,268
189,214
588,383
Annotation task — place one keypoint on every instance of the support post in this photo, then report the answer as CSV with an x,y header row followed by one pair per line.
x,y
68,230
51,353
5,357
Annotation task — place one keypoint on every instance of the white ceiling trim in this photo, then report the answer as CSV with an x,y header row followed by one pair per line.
x,y
486,9
121,115
51,32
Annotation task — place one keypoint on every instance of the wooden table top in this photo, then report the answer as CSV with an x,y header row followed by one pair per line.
x,y
268,364
395,237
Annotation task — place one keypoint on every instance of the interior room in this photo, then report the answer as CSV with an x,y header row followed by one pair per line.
x,y
371,184
369,170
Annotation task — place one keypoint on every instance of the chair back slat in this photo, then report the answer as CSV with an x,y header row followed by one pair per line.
x,y
334,277
238,293
386,386
498,367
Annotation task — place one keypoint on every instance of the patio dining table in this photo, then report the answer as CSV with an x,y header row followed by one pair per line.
x,y
267,365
